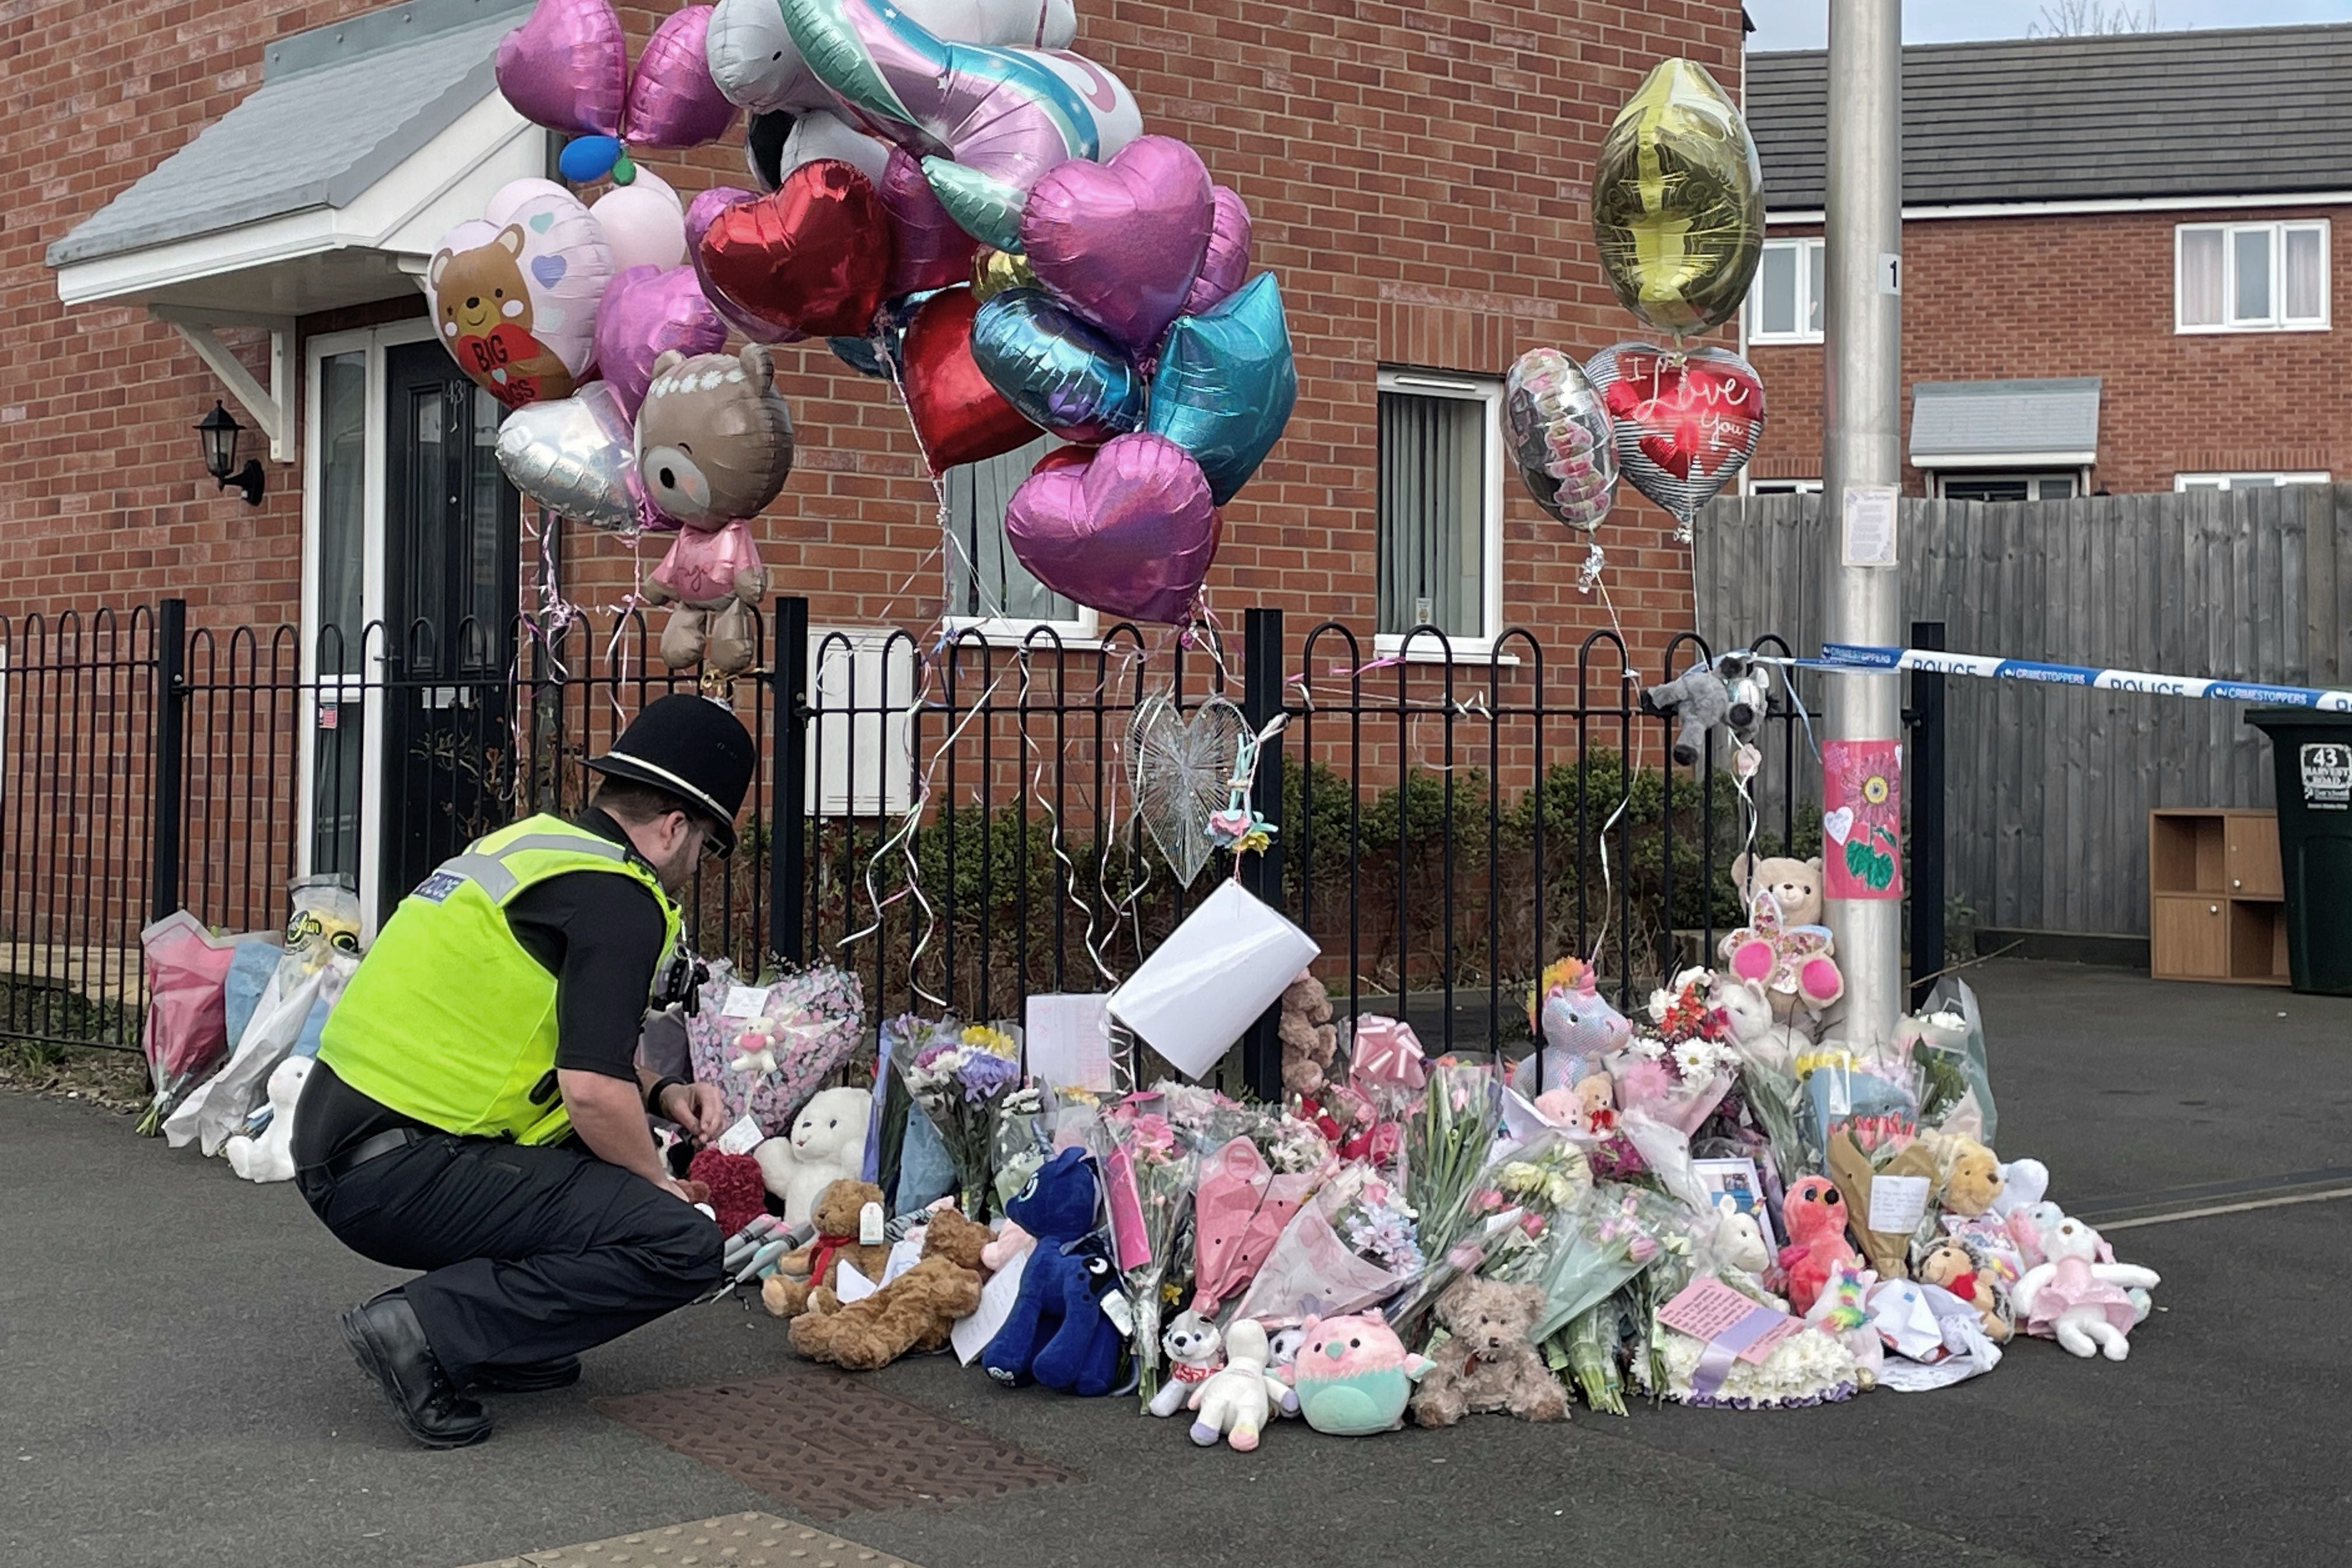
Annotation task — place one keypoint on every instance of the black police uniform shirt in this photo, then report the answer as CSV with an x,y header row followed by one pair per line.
x,y
599,935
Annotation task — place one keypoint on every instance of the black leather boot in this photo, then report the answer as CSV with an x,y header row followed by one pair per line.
x,y
390,1345
526,1376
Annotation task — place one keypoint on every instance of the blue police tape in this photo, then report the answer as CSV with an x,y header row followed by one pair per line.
x,y
1859,656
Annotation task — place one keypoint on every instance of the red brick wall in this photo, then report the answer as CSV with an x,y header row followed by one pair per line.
x,y
1418,178
1994,298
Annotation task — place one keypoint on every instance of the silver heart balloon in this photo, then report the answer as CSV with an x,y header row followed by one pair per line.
x,y
1182,770
576,456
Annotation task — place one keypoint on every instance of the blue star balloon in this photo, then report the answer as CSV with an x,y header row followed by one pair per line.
x,y
1225,384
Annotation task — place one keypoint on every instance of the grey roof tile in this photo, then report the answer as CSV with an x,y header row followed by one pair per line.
x,y
339,108
1999,418
2218,111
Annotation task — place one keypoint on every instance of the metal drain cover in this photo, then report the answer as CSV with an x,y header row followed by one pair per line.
x,y
829,1444
735,1541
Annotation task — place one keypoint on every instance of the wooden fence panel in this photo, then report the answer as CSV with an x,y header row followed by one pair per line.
x,y
2050,787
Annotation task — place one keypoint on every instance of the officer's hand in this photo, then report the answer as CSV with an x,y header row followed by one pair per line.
x,y
698,1108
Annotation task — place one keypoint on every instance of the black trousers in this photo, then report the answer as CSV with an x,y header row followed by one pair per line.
x,y
530,1253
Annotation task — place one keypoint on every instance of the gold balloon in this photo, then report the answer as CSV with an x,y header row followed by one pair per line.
x,y
994,271
1678,202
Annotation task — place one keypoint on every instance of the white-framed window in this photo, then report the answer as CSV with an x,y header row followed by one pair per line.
x,y
1438,507
2052,484
988,588
2251,276
1784,487
2243,481
1784,303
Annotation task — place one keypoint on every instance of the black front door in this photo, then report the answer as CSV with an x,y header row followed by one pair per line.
x,y
450,552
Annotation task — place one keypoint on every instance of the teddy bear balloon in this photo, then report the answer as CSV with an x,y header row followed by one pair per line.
x,y
714,443
514,294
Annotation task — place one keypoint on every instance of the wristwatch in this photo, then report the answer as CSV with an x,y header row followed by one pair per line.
x,y
661,1086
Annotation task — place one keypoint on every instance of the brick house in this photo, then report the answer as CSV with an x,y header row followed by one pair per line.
x,y
2117,262
233,199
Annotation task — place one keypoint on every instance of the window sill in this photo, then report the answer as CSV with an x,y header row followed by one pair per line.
x,y
2248,331
1428,649
1039,637
1780,339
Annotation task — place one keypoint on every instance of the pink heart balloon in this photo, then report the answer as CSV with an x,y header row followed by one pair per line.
x,y
700,215
1129,531
933,251
645,310
567,68
1121,242
673,101
1226,266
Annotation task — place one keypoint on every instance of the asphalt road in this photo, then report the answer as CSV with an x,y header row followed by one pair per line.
x,y
174,1389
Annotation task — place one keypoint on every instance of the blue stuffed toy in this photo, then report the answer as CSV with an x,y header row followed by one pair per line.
x,y
1058,1333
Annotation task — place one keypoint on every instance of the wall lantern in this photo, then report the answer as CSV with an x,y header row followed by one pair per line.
x,y
218,431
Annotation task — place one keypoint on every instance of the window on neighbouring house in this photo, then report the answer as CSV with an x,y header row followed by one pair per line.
x,y
2243,481
987,586
1439,505
1784,487
2063,486
1784,303
2251,276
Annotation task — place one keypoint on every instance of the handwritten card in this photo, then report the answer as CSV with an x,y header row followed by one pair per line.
x,y
1068,1040
742,1138
1897,1203
973,1332
1713,1312
745,1000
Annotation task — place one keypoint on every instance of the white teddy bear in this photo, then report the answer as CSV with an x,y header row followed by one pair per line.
x,y
827,1144
270,1157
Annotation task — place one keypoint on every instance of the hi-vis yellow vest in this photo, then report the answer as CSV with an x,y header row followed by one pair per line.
x,y
449,1019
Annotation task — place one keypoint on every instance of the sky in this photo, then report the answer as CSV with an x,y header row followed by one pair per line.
x,y
1803,23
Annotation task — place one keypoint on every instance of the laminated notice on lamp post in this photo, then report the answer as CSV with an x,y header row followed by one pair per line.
x,y
1201,989
1870,514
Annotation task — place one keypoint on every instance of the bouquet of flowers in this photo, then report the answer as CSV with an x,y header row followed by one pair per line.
x,y
1597,1249
1681,1070
1349,1247
769,1048
957,1079
1447,1144
1149,1175
1025,1123
1240,1209
1532,1191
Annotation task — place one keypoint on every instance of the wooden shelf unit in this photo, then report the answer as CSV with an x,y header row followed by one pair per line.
x,y
2217,904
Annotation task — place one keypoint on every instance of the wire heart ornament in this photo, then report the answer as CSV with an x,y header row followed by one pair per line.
x,y
1182,769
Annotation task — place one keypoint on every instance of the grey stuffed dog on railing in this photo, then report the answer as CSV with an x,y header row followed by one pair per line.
x,y
1731,691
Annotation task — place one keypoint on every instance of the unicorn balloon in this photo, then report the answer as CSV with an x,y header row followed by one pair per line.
x,y
1006,116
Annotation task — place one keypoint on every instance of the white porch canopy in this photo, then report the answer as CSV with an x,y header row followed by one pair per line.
x,y
329,186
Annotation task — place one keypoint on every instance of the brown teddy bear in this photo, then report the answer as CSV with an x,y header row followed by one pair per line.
x,y
1958,1266
914,1312
800,1273
1487,1362
1796,884
1308,1038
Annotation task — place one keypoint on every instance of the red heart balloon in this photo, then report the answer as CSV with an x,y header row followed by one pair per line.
x,y
816,253
958,415
1685,423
